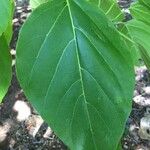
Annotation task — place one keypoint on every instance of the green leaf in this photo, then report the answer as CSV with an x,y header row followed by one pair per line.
x,y
140,33
110,8
145,56
77,76
9,30
5,67
139,29
132,47
119,146
5,14
141,13
36,3
145,2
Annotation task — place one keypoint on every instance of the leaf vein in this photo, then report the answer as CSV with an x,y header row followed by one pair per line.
x,y
47,91
61,100
38,54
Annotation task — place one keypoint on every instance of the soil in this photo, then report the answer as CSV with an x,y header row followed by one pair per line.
x,y
21,128
135,137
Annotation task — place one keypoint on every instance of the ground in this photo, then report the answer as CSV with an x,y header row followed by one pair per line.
x,y
21,128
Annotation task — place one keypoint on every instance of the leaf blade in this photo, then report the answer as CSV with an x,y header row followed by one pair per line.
x,y
139,28
78,61
5,67
5,15
36,3
110,8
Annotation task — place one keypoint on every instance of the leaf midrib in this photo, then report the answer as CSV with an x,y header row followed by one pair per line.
x,y
80,72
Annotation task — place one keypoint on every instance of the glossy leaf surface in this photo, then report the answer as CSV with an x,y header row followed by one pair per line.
x,y
132,47
139,29
141,35
145,2
141,12
5,14
5,67
76,71
110,8
9,30
36,3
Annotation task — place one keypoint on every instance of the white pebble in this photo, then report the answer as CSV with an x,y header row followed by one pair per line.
x,y
22,109
147,90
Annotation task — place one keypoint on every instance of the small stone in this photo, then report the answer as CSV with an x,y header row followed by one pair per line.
x,y
139,72
125,146
13,52
18,8
15,20
144,131
13,62
28,8
136,93
147,90
48,133
138,99
22,109
132,128
23,15
19,11
138,78
33,124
